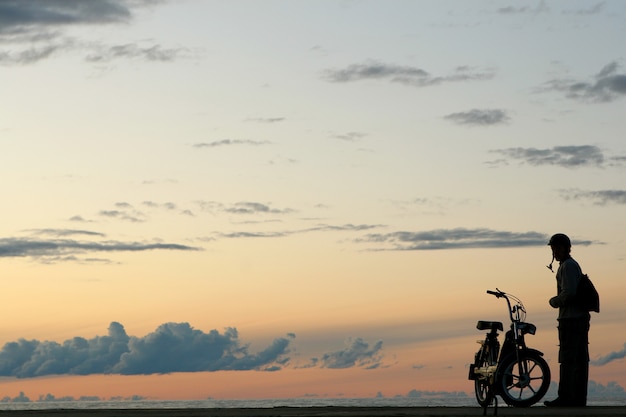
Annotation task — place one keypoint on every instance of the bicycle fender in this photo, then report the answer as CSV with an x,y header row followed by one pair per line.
x,y
531,350
522,351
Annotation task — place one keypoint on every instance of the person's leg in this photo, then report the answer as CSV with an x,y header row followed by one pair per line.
x,y
582,361
574,363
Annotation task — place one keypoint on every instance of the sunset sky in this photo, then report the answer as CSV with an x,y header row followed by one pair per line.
x,y
274,198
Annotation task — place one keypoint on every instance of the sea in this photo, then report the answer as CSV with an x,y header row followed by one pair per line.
x,y
269,403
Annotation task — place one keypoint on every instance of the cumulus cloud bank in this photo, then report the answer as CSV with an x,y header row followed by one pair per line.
x,y
172,347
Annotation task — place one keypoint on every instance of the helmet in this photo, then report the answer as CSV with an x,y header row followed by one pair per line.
x,y
560,239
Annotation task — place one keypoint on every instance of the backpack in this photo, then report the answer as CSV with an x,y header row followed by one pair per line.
x,y
587,295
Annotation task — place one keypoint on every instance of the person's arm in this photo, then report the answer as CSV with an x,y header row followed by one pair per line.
x,y
569,283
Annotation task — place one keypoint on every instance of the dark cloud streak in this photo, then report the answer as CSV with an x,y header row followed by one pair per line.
x,y
228,142
35,30
599,197
54,248
478,117
459,238
563,156
407,75
20,16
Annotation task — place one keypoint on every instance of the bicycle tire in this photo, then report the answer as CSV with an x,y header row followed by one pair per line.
x,y
482,390
526,387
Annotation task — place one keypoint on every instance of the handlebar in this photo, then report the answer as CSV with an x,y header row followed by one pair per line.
x,y
517,309
497,293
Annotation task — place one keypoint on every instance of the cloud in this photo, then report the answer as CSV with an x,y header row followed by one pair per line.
x,y
610,357
612,390
107,53
17,16
563,156
35,30
357,353
247,207
67,249
172,347
477,117
135,217
598,197
459,238
266,119
229,142
606,86
591,10
413,76
541,8
66,232
318,228
350,136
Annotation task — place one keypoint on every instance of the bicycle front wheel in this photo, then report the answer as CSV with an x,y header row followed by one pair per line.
x,y
522,383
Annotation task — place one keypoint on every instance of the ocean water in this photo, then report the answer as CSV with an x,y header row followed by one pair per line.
x,y
270,403
264,403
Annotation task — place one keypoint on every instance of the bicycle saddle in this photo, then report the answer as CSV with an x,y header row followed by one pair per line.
x,y
489,325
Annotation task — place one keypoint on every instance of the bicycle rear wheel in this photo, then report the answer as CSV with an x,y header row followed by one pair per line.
x,y
484,393
522,383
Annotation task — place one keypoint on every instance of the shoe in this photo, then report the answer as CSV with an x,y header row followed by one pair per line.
x,y
563,403
558,403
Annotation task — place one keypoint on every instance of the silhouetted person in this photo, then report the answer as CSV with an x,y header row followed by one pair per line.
x,y
573,328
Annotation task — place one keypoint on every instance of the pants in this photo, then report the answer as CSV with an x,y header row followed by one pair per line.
x,y
574,359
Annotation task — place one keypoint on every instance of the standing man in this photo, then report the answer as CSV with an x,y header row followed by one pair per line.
x,y
573,328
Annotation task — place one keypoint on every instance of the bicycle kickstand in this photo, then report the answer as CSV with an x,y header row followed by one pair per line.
x,y
491,397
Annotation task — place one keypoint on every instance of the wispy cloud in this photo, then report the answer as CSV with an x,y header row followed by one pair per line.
x,y
606,86
563,156
540,8
598,197
591,10
285,233
230,142
36,29
172,347
266,119
402,74
350,136
47,250
459,238
150,52
249,207
478,117
610,357
65,232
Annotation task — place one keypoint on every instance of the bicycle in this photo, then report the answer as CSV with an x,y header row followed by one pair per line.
x,y
518,374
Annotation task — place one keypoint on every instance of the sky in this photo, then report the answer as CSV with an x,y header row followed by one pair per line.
x,y
277,199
